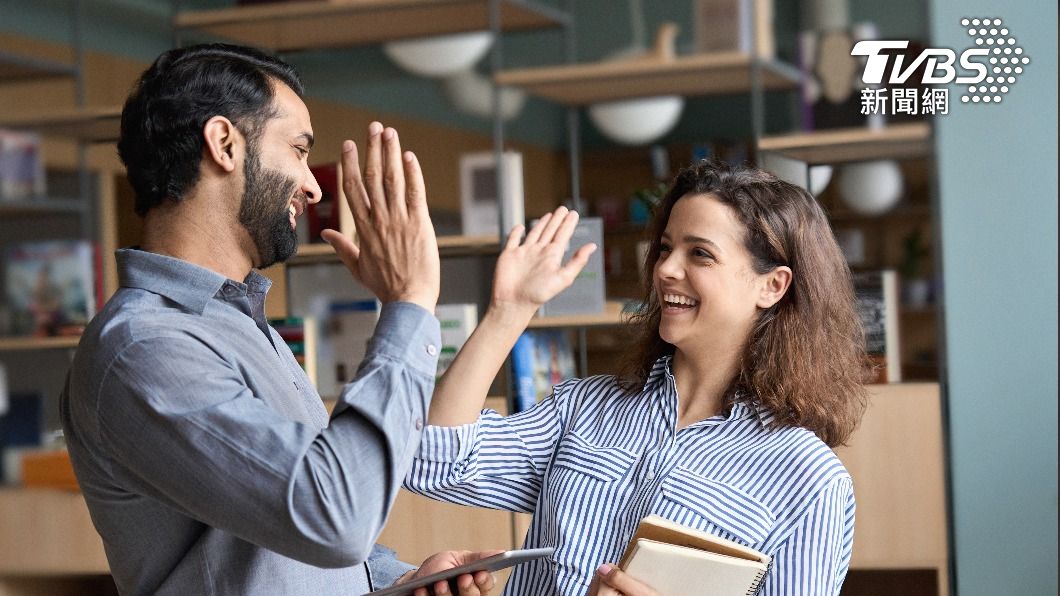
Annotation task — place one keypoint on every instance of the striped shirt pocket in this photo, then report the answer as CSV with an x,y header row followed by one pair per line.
x,y
715,507
602,463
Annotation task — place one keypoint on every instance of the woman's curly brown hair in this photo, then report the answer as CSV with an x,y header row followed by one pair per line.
x,y
804,359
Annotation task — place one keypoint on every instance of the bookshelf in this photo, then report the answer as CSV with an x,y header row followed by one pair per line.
x,y
97,124
16,68
697,74
613,315
40,206
285,26
459,245
897,141
11,344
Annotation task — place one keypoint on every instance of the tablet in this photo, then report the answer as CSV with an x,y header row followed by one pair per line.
x,y
509,558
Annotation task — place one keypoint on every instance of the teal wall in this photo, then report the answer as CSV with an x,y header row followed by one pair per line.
x,y
998,194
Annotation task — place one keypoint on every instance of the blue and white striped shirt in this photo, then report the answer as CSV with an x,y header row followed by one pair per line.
x,y
591,460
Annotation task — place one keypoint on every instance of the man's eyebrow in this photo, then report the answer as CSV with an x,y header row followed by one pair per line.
x,y
308,138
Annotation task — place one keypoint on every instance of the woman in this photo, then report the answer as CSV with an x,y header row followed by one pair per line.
x,y
748,367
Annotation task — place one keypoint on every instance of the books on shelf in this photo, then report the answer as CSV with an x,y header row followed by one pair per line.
x,y
876,294
52,286
301,336
21,429
21,165
587,294
457,321
480,199
676,560
541,359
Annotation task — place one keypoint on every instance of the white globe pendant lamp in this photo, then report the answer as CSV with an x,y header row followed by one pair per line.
x,y
472,93
795,171
637,121
871,187
439,56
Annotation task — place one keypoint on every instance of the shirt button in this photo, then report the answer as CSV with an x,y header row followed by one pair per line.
x,y
432,350
650,475
419,424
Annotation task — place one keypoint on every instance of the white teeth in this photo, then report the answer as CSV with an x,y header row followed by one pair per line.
x,y
293,210
679,299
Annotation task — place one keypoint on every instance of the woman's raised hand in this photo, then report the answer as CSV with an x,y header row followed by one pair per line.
x,y
531,272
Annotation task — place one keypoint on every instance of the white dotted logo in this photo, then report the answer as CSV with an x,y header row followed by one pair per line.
x,y
1006,63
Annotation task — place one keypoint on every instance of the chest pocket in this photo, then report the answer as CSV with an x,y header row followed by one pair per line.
x,y
695,500
602,463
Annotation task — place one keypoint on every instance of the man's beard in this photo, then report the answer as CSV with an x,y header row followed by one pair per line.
x,y
263,211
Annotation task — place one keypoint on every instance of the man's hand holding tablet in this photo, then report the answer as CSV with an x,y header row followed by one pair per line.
x,y
438,575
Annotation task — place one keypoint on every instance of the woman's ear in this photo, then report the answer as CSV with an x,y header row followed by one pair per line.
x,y
224,143
775,285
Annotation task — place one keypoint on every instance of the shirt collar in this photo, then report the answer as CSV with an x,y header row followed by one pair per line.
x,y
187,284
742,408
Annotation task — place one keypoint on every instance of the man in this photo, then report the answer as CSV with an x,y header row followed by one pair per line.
x,y
205,456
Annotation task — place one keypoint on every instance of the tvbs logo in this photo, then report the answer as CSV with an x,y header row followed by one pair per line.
x,y
988,67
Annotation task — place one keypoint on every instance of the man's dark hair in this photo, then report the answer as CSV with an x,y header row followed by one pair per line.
x,y
161,140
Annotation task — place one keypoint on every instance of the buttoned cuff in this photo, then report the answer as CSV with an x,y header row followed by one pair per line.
x,y
409,333
447,444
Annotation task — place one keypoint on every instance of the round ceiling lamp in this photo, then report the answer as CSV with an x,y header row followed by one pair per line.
x,y
794,171
472,93
439,56
637,121
871,187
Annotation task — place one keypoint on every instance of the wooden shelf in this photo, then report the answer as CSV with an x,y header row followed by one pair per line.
x,y
611,316
899,141
16,68
698,74
38,343
23,207
287,26
93,124
448,246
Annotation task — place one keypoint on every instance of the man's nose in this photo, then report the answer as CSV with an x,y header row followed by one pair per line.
x,y
311,188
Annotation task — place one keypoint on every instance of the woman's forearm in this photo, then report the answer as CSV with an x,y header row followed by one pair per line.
x,y
461,392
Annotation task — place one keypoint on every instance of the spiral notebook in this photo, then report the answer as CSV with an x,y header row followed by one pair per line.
x,y
677,560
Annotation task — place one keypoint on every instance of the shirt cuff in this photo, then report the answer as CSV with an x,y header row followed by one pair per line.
x,y
447,444
409,333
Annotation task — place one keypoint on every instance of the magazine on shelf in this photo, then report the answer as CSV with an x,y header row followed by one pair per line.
x,y
587,295
21,165
344,337
51,286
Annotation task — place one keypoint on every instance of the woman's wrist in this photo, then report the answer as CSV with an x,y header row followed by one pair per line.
x,y
510,313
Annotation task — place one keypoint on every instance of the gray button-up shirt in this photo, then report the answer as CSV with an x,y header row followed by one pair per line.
x,y
206,457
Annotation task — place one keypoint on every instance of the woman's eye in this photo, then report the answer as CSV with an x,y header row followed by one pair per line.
x,y
699,253
664,248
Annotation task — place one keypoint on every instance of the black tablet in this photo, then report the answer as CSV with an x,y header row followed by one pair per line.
x,y
509,558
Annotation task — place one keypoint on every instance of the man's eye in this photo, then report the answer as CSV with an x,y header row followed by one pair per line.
x,y
302,151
